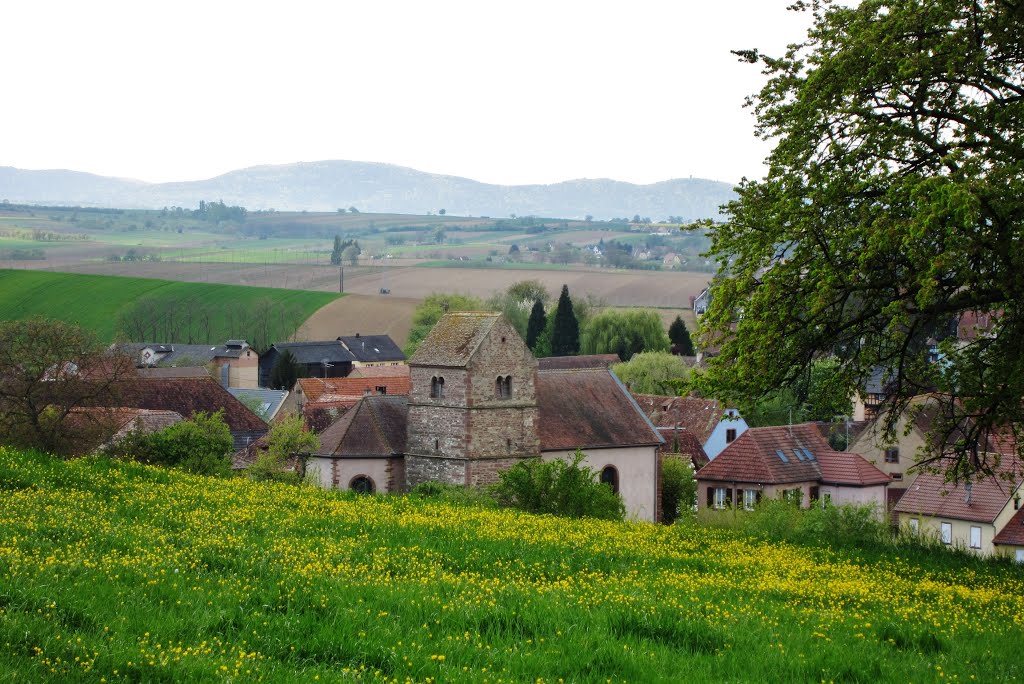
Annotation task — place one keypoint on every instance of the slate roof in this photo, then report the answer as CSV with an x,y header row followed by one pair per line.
x,y
315,352
589,408
173,372
189,354
375,426
188,396
270,400
453,341
372,348
1013,532
581,361
931,495
699,416
754,457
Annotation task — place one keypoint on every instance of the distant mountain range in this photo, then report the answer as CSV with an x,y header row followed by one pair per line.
x,y
329,185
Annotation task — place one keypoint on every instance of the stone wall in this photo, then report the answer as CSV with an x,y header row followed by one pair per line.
x,y
419,469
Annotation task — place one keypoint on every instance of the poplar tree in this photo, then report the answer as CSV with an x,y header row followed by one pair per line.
x,y
565,336
535,326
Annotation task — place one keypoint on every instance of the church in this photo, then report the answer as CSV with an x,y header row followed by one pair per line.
x,y
479,404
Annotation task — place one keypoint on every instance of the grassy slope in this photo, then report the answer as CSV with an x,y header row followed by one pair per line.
x,y
95,302
122,572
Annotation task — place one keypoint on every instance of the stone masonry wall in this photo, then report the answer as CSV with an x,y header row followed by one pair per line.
x,y
420,469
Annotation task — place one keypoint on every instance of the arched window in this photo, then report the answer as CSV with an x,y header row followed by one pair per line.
x,y
503,387
361,484
508,386
610,476
436,388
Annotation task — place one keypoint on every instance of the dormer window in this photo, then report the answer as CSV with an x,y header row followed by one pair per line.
x,y
503,387
437,388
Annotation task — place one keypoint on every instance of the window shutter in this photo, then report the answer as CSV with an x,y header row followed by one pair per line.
x,y
739,498
711,497
728,496
757,497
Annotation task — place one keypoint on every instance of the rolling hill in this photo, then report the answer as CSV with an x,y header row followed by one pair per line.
x,y
329,185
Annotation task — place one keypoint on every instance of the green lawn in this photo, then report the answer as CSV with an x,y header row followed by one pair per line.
x,y
118,572
97,302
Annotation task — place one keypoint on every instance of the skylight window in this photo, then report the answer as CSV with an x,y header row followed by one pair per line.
x,y
782,456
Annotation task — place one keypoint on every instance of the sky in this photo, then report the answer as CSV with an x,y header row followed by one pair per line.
x,y
498,91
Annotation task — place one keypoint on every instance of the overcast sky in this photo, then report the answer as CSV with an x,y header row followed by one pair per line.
x,y
501,92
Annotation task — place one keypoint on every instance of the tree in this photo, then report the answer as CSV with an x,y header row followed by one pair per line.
x,y
565,333
201,445
529,291
351,254
624,333
656,372
679,336
442,212
288,437
285,371
336,252
429,312
536,325
893,205
558,487
49,371
678,489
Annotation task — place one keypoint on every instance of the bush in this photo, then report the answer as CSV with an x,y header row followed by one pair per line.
x,y
201,445
678,489
287,438
453,494
558,487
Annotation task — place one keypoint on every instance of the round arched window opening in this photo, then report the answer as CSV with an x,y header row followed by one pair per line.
x,y
610,476
361,484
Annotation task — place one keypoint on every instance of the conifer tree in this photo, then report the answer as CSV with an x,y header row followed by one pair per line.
x,y
565,337
336,252
535,326
680,337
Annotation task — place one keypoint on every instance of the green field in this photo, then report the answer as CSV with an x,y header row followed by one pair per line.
x,y
98,302
118,572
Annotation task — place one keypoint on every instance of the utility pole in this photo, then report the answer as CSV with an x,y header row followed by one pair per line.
x,y
341,282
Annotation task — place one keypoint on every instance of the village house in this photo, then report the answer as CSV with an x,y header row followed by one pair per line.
x,y
714,425
981,515
373,350
188,396
477,405
317,398
265,403
793,462
334,358
232,364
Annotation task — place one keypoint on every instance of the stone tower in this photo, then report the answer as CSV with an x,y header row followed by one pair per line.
x,y
473,405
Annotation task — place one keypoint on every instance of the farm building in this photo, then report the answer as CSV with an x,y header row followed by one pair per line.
x,y
334,358
232,364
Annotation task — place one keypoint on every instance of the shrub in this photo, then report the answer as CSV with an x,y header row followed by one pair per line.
x,y
453,494
201,445
287,438
558,487
678,489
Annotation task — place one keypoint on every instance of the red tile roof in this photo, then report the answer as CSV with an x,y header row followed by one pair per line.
x,y
188,396
351,389
682,441
699,416
376,426
454,339
1013,532
754,457
589,408
931,495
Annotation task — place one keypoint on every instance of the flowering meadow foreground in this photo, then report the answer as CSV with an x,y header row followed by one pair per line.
x,y
113,571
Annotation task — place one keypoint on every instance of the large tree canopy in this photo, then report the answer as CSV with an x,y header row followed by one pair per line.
x,y
893,204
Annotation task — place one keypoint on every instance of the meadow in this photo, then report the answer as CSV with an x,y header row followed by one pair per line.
x,y
98,302
118,572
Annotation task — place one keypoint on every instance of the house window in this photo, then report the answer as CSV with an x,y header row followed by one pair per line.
x,y
975,537
815,493
749,499
503,387
946,533
437,388
892,455
361,484
610,476
730,435
792,496
913,524
1020,555
720,498
896,476
381,389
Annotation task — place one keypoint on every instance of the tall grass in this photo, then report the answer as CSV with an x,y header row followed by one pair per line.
x,y
121,572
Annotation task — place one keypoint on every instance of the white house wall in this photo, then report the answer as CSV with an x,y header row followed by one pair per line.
x,y
861,496
716,442
337,473
638,475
